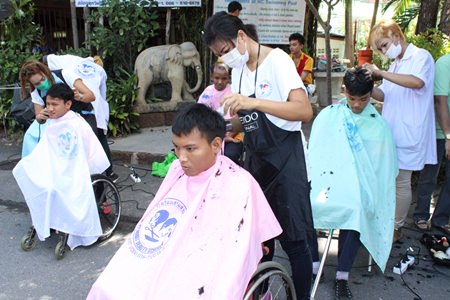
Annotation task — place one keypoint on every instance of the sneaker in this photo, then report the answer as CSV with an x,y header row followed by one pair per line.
x,y
113,176
422,224
106,208
341,290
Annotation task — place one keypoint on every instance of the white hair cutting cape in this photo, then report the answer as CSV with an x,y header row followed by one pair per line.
x,y
55,180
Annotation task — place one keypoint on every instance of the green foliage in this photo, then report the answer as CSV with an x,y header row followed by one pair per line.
x,y
407,18
81,52
18,30
433,40
18,37
400,6
128,26
121,95
382,62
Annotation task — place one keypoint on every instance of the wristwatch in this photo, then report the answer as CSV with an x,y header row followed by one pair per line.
x,y
447,136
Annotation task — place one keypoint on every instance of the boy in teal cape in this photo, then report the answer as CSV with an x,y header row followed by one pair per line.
x,y
353,170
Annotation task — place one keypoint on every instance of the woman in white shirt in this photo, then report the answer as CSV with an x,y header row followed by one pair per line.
x,y
407,92
269,102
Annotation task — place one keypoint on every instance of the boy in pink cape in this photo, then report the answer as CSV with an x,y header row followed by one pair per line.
x,y
201,236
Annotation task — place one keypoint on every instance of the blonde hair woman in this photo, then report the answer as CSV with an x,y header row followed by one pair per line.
x,y
407,92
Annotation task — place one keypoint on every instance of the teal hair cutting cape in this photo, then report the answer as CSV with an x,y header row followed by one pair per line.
x,y
353,169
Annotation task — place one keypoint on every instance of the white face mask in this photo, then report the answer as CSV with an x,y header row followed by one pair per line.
x,y
394,51
234,59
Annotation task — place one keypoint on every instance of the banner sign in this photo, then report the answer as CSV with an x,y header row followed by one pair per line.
x,y
275,20
161,3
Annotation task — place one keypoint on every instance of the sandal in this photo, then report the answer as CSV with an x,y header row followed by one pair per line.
x,y
443,228
422,224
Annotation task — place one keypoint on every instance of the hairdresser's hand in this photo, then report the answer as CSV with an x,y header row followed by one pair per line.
x,y
42,116
233,102
77,95
229,138
376,75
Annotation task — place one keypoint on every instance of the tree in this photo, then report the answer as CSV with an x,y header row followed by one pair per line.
x,y
375,12
349,45
444,24
310,29
327,28
428,13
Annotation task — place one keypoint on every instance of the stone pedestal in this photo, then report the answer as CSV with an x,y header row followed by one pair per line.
x,y
160,114
321,86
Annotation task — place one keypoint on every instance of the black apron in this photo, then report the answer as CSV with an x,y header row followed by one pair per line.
x,y
276,159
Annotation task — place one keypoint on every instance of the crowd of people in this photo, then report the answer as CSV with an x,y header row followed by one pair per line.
x,y
283,189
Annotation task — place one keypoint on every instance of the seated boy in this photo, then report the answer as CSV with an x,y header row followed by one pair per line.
x,y
353,169
211,97
55,176
201,236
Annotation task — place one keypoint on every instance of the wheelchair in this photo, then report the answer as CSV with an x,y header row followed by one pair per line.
x,y
270,281
109,209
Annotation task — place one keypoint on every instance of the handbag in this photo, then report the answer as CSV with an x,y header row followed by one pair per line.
x,y
22,110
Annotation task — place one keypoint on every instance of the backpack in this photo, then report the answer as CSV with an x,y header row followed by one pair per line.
x,y
22,110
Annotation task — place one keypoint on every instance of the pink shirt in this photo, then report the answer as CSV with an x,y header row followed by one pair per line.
x,y
211,97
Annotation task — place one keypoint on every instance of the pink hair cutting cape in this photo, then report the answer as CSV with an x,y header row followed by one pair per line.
x,y
193,245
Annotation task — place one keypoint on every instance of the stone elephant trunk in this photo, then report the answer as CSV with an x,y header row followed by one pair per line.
x,y
199,72
190,53
167,63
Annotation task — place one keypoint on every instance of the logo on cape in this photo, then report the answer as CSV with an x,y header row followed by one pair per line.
x,y
156,229
68,143
86,69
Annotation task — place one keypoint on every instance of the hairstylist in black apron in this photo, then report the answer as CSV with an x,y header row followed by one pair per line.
x,y
270,117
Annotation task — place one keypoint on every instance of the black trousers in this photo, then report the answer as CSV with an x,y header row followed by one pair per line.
x,y
301,264
102,137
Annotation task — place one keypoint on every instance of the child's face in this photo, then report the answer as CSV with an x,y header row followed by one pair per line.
x,y
196,155
56,107
220,77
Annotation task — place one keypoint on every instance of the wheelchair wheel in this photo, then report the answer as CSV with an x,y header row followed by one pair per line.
x,y
61,247
270,281
28,241
108,203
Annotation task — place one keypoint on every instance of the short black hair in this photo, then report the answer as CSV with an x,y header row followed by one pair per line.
x,y
209,122
297,36
358,81
61,91
234,5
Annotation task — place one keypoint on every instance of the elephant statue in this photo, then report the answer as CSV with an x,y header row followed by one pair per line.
x,y
166,63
